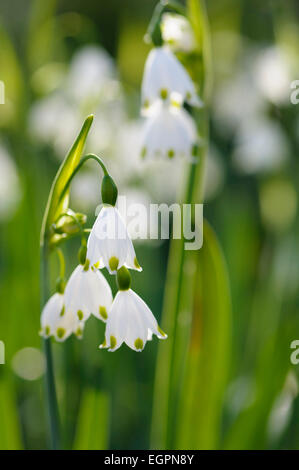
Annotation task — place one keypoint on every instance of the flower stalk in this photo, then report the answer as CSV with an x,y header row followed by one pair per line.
x,y
179,285
51,397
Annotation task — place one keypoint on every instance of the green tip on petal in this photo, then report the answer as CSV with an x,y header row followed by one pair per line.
x,y
47,330
112,342
164,93
62,311
103,312
97,264
162,332
60,333
138,344
80,315
136,264
104,344
79,333
143,152
113,263
86,265
146,103
170,153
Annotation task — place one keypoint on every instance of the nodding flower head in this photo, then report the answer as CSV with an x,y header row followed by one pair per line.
x,y
177,32
131,321
87,292
57,321
165,76
109,244
168,133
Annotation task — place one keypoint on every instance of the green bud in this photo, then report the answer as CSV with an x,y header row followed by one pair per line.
x,y
70,226
123,278
60,285
109,191
82,254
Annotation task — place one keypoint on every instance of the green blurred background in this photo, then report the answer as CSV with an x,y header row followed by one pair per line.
x,y
61,60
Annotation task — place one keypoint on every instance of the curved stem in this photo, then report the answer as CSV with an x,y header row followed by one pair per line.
x,y
53,414
83,160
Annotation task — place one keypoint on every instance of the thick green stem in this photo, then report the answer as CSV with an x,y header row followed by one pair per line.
x,y
53,415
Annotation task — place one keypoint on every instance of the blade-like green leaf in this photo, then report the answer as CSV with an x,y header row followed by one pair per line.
x,y
56,203
204,381
10,432
92,427
202,73
12,81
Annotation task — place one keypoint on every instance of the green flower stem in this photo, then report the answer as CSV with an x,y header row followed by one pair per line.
x,y
179,289
53,414
83,160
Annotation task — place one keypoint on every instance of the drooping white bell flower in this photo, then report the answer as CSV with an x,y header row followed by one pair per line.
x,y
177,32
169,132
87,292
131,321
109,244
57,322
165,76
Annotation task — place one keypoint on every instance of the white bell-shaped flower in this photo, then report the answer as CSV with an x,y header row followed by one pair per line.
x,y
131,321
109,244
57,322
165,77
177,32
169,132
87,292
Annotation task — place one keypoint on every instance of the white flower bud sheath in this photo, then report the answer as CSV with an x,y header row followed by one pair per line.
x,y
87,292
56,321
131,321
169,132
109,244
163,76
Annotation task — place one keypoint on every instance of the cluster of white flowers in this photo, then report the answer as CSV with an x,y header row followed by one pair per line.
x,y
128,319
169,130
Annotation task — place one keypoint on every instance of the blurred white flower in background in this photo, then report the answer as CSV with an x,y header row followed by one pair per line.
x,y
177,32
236,100
273,75
261,145
283,407
91,70
10,189
214,174
90,86
28,363
54,121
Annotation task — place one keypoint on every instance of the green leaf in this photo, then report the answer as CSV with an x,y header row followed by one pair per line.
x,y
92,427
204,381
193,362
58,199
202,73
10,432
13,80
